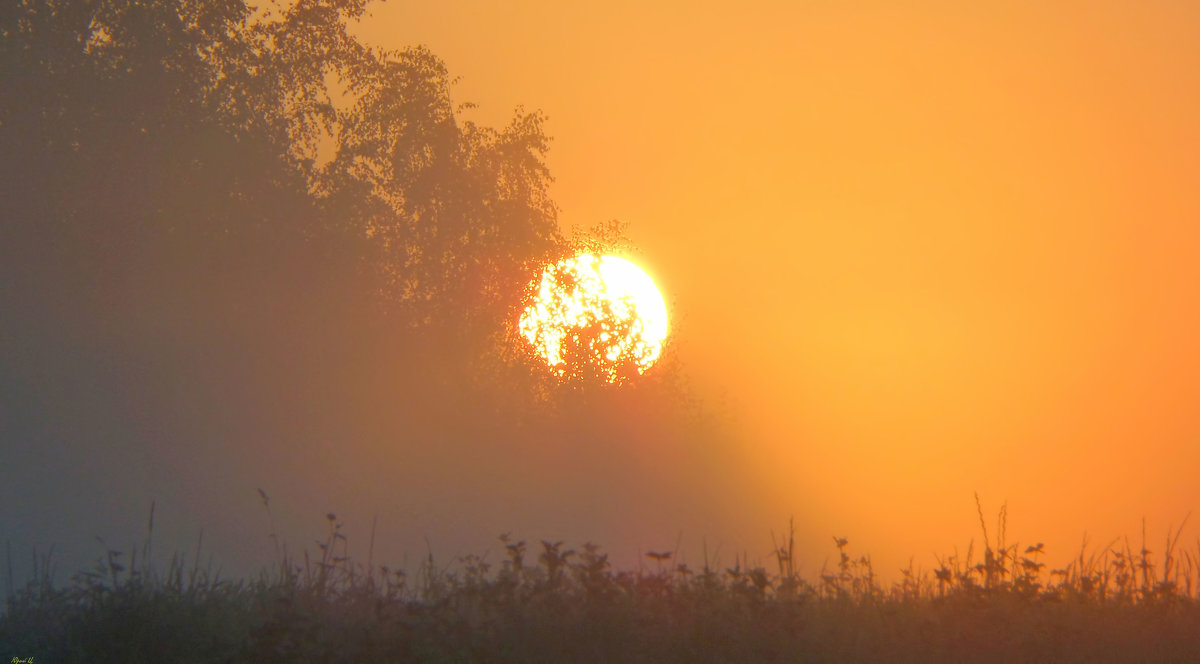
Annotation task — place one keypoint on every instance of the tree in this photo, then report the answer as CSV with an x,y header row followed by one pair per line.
x,y
238,173
201,125
236,233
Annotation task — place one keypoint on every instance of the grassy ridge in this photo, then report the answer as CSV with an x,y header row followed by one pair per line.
x,y
547,603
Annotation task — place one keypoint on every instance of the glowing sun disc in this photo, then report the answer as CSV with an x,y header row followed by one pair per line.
x,y
605,312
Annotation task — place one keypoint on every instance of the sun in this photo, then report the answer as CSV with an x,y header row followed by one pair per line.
x,y
601,315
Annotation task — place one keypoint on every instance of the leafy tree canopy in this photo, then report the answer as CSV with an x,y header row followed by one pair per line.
x,y
212,169
237,245
174,122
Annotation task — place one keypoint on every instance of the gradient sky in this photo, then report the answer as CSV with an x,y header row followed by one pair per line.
x,y
919,249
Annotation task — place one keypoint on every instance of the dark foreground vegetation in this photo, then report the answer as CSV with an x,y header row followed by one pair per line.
x,y
548,603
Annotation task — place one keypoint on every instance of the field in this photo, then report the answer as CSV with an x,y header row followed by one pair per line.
x,y
548,603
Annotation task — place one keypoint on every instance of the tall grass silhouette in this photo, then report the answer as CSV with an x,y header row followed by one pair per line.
x,y
998,602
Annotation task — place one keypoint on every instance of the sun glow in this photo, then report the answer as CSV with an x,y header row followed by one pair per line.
x,y
602,315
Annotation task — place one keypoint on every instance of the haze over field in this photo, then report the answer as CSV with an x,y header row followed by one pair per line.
x,y
910,253
926,248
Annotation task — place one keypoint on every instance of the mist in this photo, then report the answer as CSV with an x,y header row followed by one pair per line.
x,y
211,342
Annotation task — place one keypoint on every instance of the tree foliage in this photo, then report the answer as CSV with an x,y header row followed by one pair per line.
x,y
198,124
226,176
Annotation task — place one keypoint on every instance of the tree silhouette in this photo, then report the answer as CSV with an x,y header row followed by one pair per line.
x,y
238,245
215,187
174,133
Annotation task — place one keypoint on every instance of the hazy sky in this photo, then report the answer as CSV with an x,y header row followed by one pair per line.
x,y
912,251
924,248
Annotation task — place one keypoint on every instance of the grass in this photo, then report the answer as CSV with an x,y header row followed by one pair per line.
x,y
549,603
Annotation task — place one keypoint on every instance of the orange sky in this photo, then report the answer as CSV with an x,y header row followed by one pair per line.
x,y
923,248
